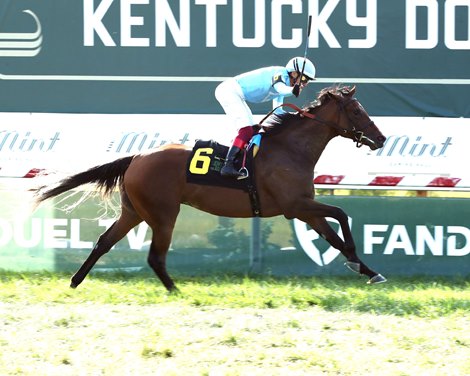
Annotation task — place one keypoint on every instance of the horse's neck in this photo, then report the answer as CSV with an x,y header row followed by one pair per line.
x,y
307,142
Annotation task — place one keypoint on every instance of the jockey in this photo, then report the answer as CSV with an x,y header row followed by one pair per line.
x,y
260,85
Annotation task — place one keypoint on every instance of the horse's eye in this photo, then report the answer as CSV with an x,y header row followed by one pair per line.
x,y
356,111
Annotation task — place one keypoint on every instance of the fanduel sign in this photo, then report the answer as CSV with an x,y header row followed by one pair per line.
x,y
437,241
61,233
387,240
390,240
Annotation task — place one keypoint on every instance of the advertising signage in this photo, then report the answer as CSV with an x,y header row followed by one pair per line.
x,y
410,57
428,154
397,237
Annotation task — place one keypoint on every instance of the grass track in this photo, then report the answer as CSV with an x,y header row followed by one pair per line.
x,y
120,324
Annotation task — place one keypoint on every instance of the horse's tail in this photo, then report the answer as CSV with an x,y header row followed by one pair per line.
x,y
106,177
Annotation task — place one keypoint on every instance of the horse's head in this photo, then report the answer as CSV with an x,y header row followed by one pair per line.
x,y
352,119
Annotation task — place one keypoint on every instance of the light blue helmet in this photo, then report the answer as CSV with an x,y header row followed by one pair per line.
x,y
297,63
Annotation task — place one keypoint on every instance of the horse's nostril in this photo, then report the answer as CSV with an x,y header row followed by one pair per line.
x,y
381,138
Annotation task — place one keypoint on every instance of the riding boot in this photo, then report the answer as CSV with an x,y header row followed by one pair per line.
x,y
229,169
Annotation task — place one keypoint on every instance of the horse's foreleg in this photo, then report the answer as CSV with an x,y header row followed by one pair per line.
x,y
323,228
315,217
105,242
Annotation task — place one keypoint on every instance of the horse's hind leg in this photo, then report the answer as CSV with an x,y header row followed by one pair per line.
x,y
161,240
157,255
161,217
106,241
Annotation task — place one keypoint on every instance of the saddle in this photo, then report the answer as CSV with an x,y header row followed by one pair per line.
x,y
207,159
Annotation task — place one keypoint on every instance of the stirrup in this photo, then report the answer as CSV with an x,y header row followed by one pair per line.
x,y
229,171
244,173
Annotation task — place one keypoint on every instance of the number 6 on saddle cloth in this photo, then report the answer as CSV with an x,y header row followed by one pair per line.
x,y
208,157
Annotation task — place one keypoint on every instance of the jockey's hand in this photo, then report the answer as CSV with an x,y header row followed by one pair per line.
x,y
296,90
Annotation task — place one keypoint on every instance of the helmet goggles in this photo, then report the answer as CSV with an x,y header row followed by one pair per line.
x,y
305,79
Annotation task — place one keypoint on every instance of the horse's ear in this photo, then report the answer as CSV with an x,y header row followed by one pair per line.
x,y
352,91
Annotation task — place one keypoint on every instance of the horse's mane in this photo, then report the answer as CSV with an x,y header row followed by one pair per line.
x,y
276,121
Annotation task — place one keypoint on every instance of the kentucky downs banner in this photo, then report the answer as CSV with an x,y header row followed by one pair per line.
x,y
409,57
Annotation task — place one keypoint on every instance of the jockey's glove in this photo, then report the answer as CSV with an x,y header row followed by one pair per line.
x,y
296,90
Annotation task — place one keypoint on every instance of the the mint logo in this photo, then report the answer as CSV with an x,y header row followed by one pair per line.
x,y
307,237
22,44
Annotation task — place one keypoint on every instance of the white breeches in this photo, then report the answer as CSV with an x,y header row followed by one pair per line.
x,y
230,96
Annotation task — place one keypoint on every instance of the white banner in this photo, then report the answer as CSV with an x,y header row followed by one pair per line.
x,y
417,151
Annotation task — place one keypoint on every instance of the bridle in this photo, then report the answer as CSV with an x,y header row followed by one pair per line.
x,y
356,133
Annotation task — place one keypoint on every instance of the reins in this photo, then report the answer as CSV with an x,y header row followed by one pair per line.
x,y
357,134
294,107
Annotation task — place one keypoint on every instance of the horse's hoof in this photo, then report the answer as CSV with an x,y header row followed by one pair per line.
x,y
354,266
173,290
73,285
379,278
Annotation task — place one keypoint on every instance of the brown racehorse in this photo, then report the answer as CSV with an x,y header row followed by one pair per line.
x,y
153,185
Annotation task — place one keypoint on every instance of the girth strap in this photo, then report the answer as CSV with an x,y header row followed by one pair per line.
x,y
254,199
251,186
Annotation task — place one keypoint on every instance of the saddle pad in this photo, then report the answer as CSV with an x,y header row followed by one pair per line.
x,y
205,162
